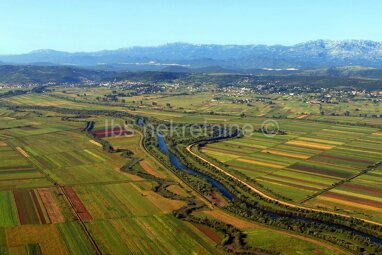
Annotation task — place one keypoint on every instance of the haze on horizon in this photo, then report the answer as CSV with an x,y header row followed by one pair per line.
x,y
93,25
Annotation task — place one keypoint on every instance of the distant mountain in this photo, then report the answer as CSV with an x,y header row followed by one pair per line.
x,y
25,74
44,74
312,54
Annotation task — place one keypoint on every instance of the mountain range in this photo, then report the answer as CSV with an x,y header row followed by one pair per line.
x,y
183,57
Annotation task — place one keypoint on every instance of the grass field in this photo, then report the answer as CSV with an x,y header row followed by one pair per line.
x,y
282,243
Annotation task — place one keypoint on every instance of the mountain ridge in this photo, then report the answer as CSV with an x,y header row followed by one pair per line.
x,y
310,54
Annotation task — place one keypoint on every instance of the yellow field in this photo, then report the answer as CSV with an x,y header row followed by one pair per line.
x,y
287,154
320,141
22,152
310,145
47,236
94,155
260,163
302,117
95,143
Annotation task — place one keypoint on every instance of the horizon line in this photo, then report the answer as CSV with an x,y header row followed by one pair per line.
x,y
186,43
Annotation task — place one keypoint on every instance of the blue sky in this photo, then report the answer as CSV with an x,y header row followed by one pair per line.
x,y
90,25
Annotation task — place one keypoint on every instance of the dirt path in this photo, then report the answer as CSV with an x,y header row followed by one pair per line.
x,y
262,194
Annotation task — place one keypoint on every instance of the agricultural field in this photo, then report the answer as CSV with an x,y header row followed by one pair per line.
x,y
309,159
52,177
58,180
235,103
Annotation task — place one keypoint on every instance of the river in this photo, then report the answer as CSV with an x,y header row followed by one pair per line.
x,y
228,195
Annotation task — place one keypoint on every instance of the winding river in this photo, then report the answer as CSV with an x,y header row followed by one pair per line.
x,y
178,165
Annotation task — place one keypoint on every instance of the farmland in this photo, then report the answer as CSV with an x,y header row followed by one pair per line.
x,y
306,161
51,173
103,191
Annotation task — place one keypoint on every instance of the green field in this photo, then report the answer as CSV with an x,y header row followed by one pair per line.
x,y
286,245
309,158
55,152
58,181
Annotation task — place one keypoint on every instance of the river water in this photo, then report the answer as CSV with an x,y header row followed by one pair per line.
x,y
178,165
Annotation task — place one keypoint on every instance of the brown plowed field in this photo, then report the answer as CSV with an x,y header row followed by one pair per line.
x,y
25,208
79,207
111,132
39,209
51,206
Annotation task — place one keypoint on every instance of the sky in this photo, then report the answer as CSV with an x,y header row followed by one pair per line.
x,y
92,25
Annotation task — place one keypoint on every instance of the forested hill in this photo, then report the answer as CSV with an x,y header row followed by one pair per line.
x,y
27,74
23,74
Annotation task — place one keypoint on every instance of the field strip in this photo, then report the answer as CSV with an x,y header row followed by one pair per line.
x,y
286,184
348,203
223,151
95,143
287,154
260,163
363,151
23,179
310,144
302,117
312,173
262,194
3,144
237,143
22,152
320,140
50,205
358,195
94,155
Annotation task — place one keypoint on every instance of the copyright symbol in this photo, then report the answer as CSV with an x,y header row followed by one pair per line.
x,y
270,128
